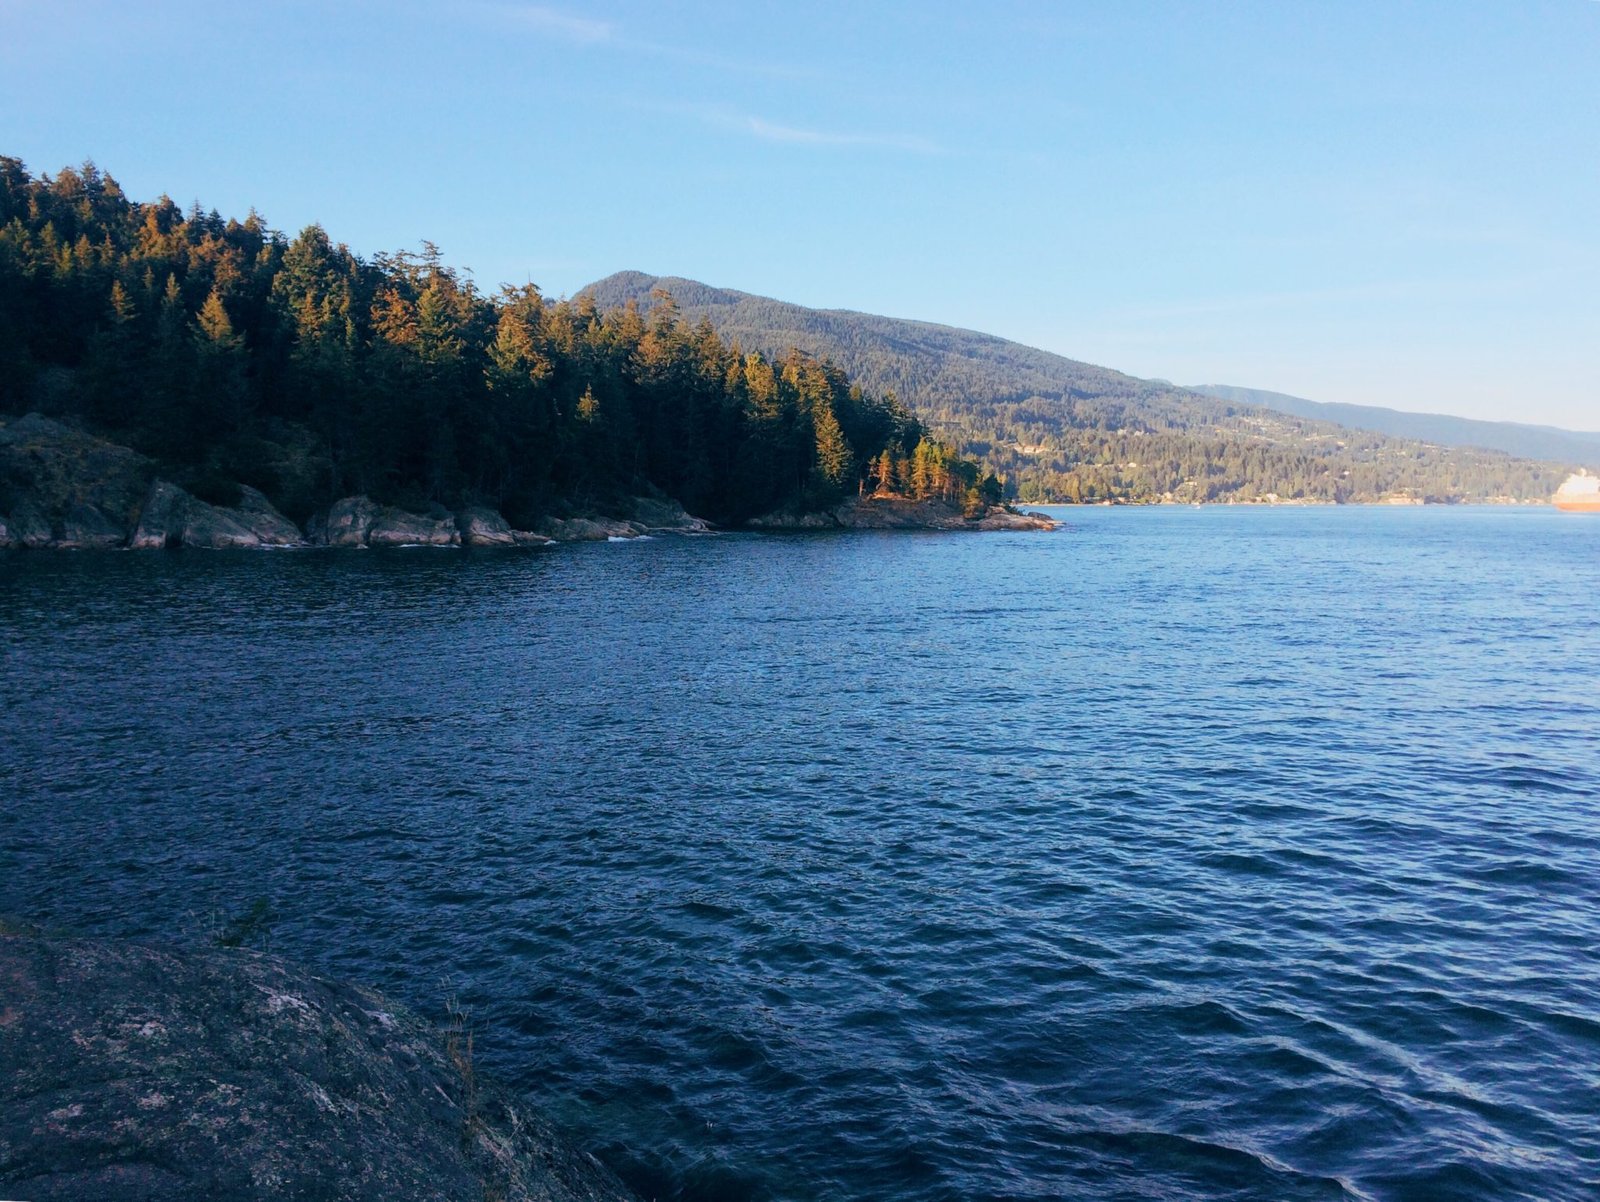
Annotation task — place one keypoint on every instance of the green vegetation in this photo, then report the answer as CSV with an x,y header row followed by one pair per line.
x,y
1514,438
233,355
1057,429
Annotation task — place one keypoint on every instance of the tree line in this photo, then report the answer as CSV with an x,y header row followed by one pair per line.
x,y
233,354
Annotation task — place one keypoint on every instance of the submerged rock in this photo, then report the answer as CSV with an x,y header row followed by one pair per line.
x,y
132,1072
7,539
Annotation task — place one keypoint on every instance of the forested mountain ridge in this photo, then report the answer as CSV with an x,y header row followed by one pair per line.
x,y
228,354
1513,438
1059,429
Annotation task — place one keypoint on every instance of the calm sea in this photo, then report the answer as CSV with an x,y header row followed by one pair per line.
x,y
1183,854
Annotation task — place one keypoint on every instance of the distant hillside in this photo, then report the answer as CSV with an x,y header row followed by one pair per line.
x,y
1059,429
1514,438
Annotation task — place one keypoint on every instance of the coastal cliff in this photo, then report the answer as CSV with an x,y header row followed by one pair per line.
x,y
131,1072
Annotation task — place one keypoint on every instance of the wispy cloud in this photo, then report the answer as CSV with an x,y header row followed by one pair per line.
x,y
793,135
551,22
543,21
771,131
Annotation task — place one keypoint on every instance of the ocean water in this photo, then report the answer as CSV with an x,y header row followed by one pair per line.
x,y
1182,854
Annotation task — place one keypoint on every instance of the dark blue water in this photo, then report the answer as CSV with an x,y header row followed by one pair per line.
x,y
1210,854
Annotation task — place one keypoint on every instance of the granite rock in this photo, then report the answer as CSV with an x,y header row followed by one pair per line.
x,y
130,1073
482,527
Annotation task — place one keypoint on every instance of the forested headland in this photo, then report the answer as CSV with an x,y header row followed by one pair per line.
x,y
231,354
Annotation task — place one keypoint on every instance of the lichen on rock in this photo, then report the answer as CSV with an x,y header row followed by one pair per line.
x,y
137,1072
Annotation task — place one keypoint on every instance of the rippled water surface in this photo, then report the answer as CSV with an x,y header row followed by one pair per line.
x,y
1208,854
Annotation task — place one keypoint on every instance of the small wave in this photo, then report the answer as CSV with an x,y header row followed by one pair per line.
x,y
1209,1163
1243,864
1523,872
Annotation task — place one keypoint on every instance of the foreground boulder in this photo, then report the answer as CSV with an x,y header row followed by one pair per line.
x,y
132,1072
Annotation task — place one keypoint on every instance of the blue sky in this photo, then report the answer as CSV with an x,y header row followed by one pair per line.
x,y
1388,203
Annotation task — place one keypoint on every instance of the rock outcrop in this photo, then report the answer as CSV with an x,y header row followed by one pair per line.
x,y
62,487
171,517
30,527
482,527
893,513
664,515
86,528
1000,518
590,530
361,522
68,489
398,528
160,518
212,528
132,1072
57,472
346,523
270,526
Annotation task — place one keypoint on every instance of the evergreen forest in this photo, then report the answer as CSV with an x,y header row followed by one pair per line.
x,y
232,354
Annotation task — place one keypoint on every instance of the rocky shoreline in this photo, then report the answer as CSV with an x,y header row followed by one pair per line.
x,y
133,1072
63,489
896,513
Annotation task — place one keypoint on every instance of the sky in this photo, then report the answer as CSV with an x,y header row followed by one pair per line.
x,y
1391,203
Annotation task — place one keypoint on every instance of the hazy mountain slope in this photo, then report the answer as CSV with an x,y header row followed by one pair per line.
x,y
927,365
1514,438
1057,428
